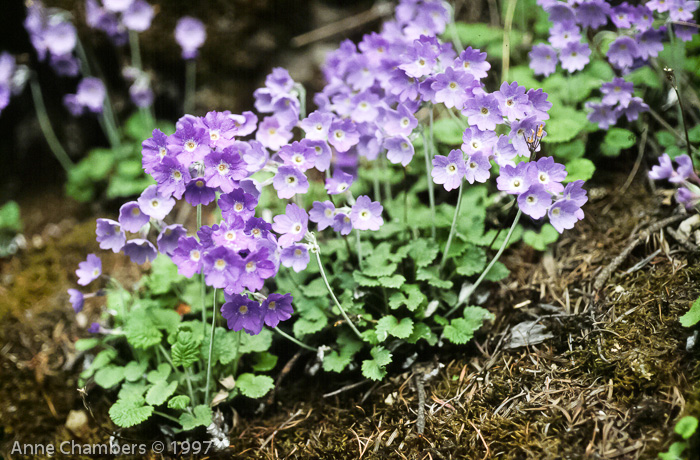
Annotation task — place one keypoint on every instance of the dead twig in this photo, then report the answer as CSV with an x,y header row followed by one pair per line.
x,y
419,382
687,245
345,388
285,370
604,275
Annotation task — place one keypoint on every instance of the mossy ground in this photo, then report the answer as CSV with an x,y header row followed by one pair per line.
x,y
609,384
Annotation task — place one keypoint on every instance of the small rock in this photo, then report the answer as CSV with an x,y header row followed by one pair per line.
x,y
77,422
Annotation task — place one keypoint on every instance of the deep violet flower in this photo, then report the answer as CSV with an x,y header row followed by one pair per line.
x,y
276,308
241,313
140,251
169,237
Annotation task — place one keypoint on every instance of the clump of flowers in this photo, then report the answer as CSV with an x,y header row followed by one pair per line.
x,y
640,33
682,176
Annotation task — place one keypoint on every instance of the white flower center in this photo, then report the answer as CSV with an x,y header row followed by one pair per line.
x,y
220,264
214,135
190,145
250,266
195,255
238,207
243,309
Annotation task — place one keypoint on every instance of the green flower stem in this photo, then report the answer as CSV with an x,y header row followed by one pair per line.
x,y
188,379
135,49
330,291
508,26
187,372
457,119
235,353
202,286
45,124
190,84
211,348
431,188
359,249
289,337
453,228
387,185
491,264
169,417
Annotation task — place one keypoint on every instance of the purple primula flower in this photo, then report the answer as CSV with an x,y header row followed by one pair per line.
x,y
617,91
322,213
516,180
342,223
241,313
543,60
575,56
90,95
189,143
94,328
255,156
592,13
223,169
153,150
539,105
574,192
59,36
138,16
117,6
316,125
298,155
483,112
685,32
289,181
295,257
660,6
535,201
563,33
560,12
399,122
519,132
399,150
231,235
77,300
478,168
169,238
504,152
682,10
450,170
687,198
187,256
339,183
216,263
256,268
322,153
420,58
366,104
663,170
343,135
563,215
257,228
155,205
140,251
404,87
622,52
172,177
276,308
272,134
634,108
141,93
366,214
220,127
650,43
190,34
602,114
684,171
292,225
550,174
110,235
453,87
65,65
89,270
475,140
198,193
131,217
237,203
474,62
512,101
623,15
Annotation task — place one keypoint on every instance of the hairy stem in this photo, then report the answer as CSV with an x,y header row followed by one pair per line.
x,y
490,265
359,248
45,124
190,84
431,185
505,62
293,339
453,228
335,300
211,348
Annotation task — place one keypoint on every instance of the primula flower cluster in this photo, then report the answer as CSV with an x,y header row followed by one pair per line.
x,y
684,176
637,41
53,36
117,17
